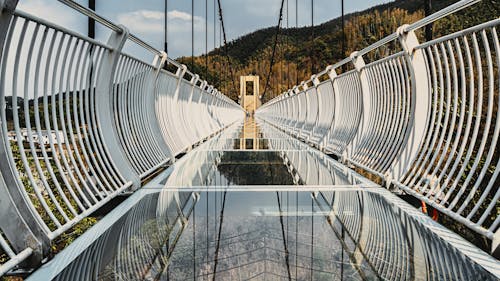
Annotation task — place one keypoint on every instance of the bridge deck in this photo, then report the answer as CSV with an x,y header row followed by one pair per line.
x,y
84,124
253,203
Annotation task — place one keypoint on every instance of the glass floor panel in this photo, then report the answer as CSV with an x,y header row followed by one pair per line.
x,y
255,204
282,235
269,159
248,167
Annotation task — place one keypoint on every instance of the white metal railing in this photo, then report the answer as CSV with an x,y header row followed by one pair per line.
x,y
81,122
425,119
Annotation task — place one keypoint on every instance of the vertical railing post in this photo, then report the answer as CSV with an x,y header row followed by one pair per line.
x,y
419,101
315,82
332,74
158,62
359,65
17,220
208,91
181,71
294,114
104,106
173,109
303,107
191,110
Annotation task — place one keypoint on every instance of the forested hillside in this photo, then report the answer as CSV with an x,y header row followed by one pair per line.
x,y
251,53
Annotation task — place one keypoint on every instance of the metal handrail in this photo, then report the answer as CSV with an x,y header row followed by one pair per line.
x,y
117,28
414,117
460,33
92,122
91,14
460,5
109,24
378,44
412,27
421,23
112,120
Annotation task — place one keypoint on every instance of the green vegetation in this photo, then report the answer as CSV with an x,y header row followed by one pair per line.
x,y
251,53
74,232
298,57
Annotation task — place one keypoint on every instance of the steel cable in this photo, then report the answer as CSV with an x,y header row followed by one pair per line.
x,y
280,18
221,18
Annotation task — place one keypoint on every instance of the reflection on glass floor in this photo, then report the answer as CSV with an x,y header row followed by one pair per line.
x,y
270,158
263,236
254,204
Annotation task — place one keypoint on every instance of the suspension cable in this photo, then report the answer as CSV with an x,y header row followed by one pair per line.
x,y
312,50
207,217
192,35
217,77
287,43
280,58
91,21
274,48
222,70
221,18
285,243
217,47
312,235
344,39
216,256
194,242
206,39
165,47
296,27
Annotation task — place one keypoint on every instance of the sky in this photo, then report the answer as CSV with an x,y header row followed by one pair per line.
x,y
145,18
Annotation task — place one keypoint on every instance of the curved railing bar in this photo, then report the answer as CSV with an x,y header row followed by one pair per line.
x,y
79,84
417,90
117,28
109,24
460,5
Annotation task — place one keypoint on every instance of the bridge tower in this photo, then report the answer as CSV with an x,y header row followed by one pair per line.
x,y
249,93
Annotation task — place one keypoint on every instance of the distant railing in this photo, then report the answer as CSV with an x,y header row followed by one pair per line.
x,y
82,122
424,119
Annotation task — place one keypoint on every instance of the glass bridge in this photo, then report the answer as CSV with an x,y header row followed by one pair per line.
x,y
254,204
114,167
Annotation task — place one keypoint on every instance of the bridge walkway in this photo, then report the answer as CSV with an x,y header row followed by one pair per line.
x,y
254,203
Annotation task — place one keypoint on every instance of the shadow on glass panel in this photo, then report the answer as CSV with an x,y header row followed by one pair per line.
x,y
345,235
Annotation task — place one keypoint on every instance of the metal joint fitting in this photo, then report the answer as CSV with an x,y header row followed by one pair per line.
x,y
181,71
357,60
408,39
203,85
315,80
195,79
330,70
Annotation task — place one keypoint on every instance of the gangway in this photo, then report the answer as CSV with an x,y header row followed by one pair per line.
x,y
308,187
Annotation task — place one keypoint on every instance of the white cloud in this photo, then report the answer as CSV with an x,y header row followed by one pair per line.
x,y
55,12
142,21
148,21
149,25
174,15
145,18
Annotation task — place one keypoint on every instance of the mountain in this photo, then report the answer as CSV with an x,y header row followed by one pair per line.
x,y
251,53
